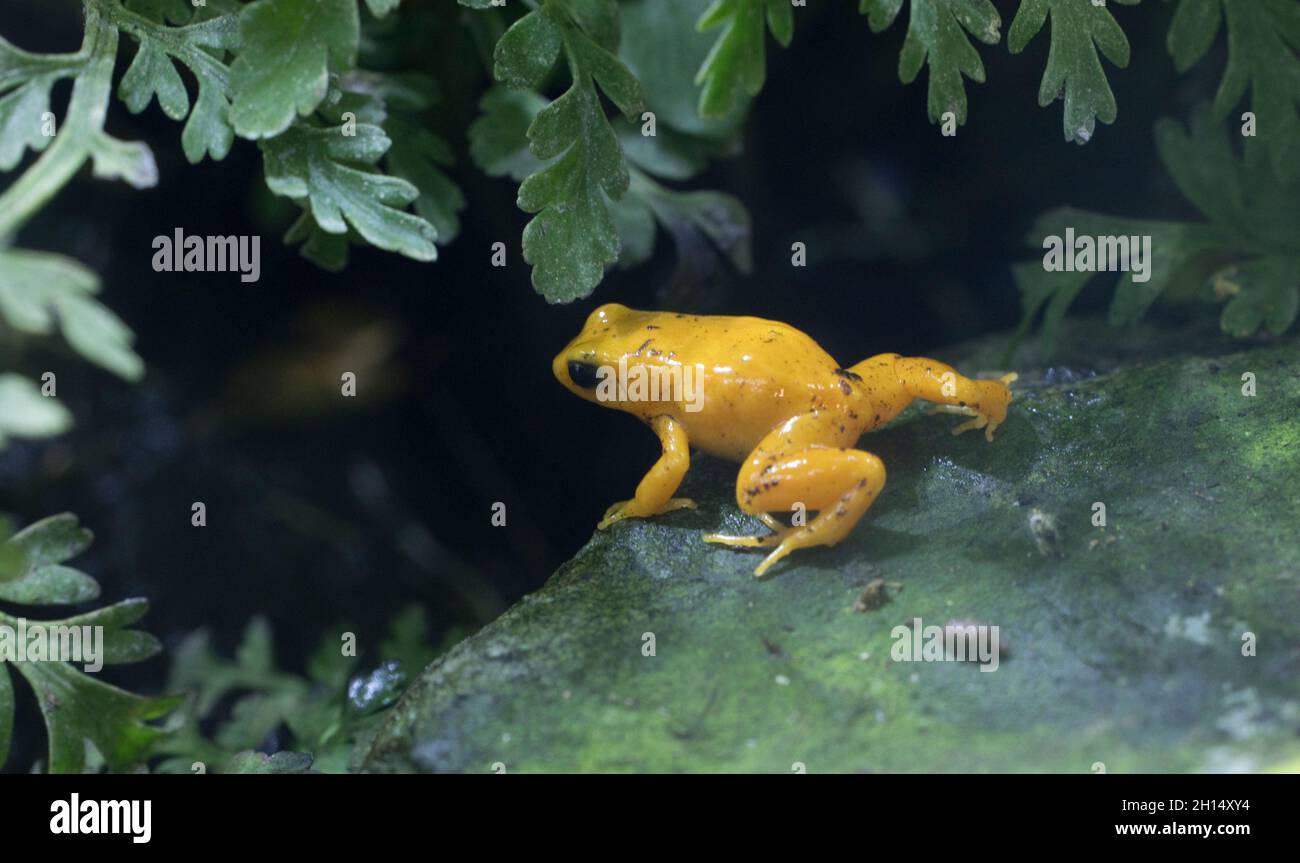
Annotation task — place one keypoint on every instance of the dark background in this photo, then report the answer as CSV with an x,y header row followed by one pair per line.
x,y
323,509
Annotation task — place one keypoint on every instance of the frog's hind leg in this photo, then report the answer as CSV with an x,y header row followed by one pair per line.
x,y
891,381
788,472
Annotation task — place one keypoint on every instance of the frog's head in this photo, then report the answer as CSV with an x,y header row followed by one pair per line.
x,y
607,336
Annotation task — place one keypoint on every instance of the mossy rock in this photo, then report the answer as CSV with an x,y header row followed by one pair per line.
x,y
1124,644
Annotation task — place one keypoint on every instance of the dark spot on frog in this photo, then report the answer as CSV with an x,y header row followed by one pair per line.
x,y
845,373
643,345
845,388
651,327
583,374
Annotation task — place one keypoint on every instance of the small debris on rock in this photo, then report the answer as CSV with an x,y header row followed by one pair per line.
x,y
1046,537
875,594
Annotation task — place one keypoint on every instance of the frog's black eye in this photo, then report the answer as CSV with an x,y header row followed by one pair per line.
x,y
583,374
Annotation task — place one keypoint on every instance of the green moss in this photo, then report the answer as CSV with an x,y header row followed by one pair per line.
x,y
1123,643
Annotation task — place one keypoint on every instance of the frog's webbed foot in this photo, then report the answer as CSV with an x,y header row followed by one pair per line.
x,y
980,419
630,509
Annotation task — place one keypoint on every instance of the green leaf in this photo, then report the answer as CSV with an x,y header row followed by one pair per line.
x,y
195,667
325,250
152,74
526,52
25,82
1074,71
254,717
325,714
55,539
280,762
416,154
170,11
937,37
25,413
664,51
1173,245
635,223
1263,38
572,238
324,169
289,47
736,67
498,139
1265,296
419,156
39,577
701,223
40,292
121,645
77,708
22,120
667,154
129,161
1251,217
51,585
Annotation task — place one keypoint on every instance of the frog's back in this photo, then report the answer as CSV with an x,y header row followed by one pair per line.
x,y
757,374
762,350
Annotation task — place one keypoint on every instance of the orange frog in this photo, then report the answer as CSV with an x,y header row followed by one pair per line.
x,y
766,395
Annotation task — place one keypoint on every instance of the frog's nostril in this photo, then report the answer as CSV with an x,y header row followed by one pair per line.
x,y
583,374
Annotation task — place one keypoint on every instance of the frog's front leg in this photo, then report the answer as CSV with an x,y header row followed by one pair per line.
x,y
801,465
892,381
654,495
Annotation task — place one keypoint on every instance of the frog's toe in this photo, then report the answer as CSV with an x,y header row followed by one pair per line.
x,y
629,509
978,422
781,551
743,541
616,513
675,504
